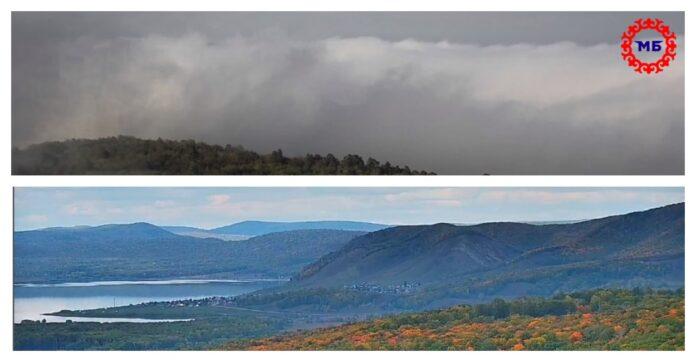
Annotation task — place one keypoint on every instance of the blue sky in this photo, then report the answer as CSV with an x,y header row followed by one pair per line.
x,y
212,207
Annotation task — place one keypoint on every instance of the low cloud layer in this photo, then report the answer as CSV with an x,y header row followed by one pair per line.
x,y
452,108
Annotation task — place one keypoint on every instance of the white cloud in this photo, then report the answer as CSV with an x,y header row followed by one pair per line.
x,y
431,195
219,200
94,208
503,196
164,203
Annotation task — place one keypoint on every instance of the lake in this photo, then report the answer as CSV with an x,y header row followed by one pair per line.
x,y
31,301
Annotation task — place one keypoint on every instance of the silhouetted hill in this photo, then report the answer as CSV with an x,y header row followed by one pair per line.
x,y
130,155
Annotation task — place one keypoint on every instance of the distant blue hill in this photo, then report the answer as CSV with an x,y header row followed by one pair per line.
x,y
254,228
203,233
145,251
102,234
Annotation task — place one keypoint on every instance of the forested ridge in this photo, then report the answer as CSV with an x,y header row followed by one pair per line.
x,y
142,251
131,155
591,320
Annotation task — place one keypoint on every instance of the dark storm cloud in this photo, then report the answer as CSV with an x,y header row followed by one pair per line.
x,y
484,28
449,92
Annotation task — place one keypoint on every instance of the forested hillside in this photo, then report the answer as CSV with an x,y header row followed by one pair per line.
x,y
593,320
509,259
144,251
605,319
130,155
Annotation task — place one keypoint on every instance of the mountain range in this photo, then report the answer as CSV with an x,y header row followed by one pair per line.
x,y
400,267
145,251
608,283
246,229
512,259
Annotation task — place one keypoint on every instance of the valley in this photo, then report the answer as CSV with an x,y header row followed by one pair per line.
x,y
327,278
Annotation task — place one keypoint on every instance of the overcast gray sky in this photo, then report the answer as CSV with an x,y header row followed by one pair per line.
x,y
454,93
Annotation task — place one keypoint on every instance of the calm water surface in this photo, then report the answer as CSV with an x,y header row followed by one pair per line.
x,y
31,301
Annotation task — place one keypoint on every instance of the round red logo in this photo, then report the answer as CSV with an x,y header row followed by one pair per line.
x,y
668,46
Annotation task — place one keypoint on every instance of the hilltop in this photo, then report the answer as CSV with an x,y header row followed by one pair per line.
x,y
134,156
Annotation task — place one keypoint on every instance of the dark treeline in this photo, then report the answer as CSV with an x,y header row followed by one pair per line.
x,y
130,155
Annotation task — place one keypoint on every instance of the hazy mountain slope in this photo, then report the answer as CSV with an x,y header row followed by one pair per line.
x,y
254,228
408,253
202,233
646,244
110,232
144,251
181,229
288,252
100,241
658,231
